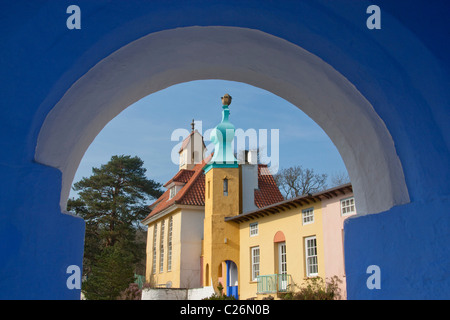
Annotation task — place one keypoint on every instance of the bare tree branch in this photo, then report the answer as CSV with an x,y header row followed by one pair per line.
x,y
296,181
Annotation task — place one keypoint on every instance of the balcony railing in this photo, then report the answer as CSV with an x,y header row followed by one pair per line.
x,y
273,283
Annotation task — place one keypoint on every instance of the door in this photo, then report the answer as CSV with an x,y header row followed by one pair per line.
x,y
232,279
282,267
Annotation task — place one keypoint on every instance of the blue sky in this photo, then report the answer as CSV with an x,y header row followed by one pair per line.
x,y
145,128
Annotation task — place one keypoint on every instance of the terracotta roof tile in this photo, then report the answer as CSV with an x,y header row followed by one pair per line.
x,y
193,192
268,192
183,176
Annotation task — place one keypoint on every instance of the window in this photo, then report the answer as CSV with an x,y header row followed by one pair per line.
x,y
253,229
348,206
182,158
161,249
282,266
169,245
282,262
255,263
225,187
172,192
308,215
155,232
312,268
209,188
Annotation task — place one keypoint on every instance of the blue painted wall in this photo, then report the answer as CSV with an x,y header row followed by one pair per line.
x,y
402,69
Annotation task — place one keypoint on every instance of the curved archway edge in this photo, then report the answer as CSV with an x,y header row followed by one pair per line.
x,y
169,57
402,71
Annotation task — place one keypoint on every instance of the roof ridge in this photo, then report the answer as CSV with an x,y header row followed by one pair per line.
x,y
163,199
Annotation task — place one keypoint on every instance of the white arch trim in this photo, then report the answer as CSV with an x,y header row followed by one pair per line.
x,y
165,58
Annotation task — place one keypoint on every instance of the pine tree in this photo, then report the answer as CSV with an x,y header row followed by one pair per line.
x,y
113,201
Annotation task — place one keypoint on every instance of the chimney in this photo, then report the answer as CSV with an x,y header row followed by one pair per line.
x,y
249,169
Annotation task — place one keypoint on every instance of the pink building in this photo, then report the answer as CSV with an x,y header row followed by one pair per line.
x,y
335,210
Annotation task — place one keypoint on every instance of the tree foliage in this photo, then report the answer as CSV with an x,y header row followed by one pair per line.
x,y
111,275
316,289
113,201
296,181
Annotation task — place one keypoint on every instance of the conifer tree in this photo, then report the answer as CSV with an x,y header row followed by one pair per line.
x,y
112,274
113,201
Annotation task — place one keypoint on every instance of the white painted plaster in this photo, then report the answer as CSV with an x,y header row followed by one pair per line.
x,y
191,247
177,294
165,58
333,239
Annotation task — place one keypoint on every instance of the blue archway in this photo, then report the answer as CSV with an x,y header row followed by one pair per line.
x,y
232,279
402,70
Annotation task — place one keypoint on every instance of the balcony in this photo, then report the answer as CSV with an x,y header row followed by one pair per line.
x,y
273,283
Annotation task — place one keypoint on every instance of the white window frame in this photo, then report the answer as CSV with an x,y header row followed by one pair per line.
x,y
282,258
282,265
255,262
155,233
172,192
311,259
348,206
254,229
169,245
308,216
161,249
183,158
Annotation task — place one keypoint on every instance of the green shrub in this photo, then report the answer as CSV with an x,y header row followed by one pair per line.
x,y
316,289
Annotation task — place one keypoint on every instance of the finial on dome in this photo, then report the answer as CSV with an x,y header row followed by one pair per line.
x,y
226,100
193,125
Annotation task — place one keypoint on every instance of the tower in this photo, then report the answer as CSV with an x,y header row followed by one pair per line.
x,y
192,149
222,199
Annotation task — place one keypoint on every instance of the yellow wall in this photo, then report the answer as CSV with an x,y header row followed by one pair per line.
x,y
290,223
158,277
221,239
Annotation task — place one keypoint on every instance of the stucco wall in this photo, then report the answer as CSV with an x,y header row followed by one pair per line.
x,y
173,276
221,239
333,237
187,235
290,223
191,247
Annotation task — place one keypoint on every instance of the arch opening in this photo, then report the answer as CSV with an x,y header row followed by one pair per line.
x,y
165,58
279,237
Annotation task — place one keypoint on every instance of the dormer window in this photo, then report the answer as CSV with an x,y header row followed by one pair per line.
x,y
172,193
173,187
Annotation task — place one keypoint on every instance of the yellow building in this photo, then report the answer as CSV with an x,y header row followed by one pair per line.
x,y
175,224
224,222
283,244
189,244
